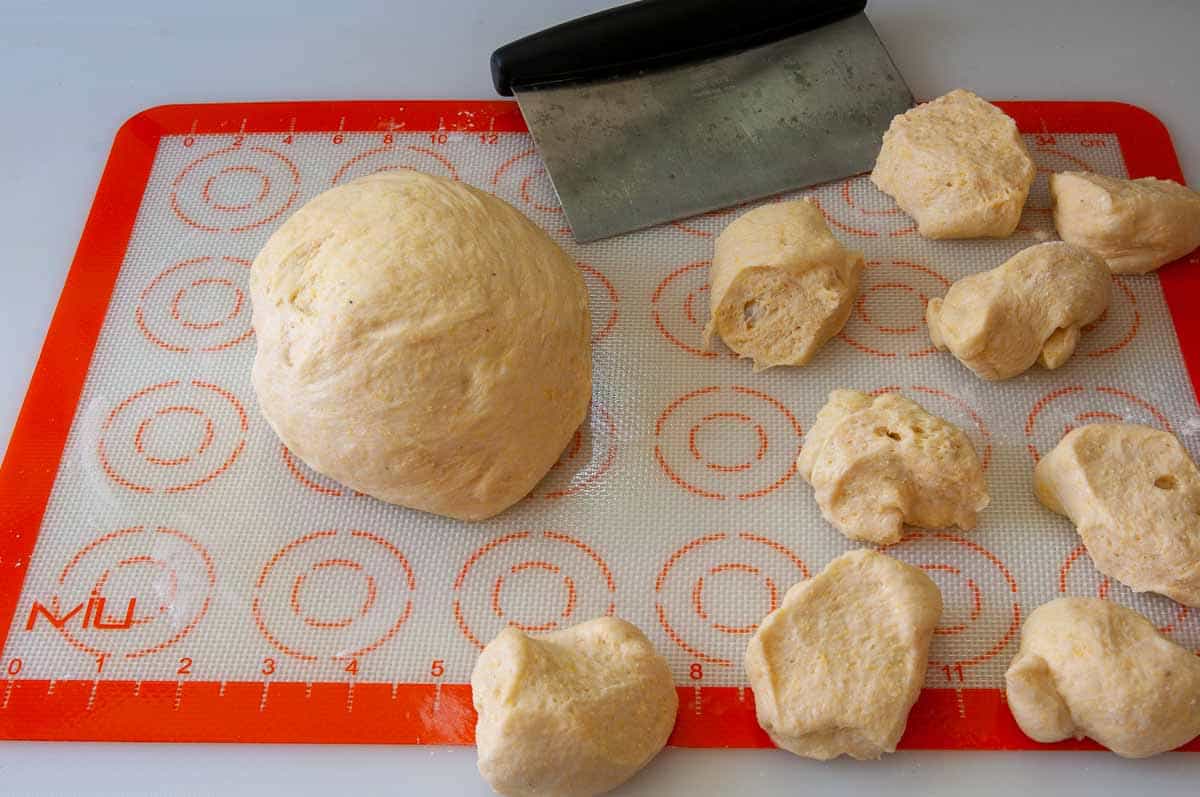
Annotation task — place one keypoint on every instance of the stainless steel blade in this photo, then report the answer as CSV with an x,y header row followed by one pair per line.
x,y
637,151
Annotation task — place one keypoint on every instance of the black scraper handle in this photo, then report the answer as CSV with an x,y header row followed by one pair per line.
x,y
655,33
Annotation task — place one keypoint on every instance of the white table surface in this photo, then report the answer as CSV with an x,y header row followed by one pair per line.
x,y
74,71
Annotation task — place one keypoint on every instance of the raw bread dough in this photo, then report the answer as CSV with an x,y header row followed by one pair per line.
x,y
958,166
1088,667
837,667
782,285
574,712
1135,225
421,341
1134,495
999,323
878,462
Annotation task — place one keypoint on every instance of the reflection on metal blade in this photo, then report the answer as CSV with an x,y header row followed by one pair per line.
x,y
640,150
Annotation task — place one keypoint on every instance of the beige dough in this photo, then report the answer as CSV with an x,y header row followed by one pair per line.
x,y
1088,667
877,463
1135,225
957,165
421,341
999,323
1134,495
836,668
572,713
782,285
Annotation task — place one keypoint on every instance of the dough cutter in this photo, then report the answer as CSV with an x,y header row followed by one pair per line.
x,y
662,109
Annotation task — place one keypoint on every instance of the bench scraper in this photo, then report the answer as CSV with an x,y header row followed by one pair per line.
x,y
663,109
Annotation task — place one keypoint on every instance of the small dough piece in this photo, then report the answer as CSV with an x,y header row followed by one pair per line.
x,y
836,668
1133,493
421,341
574,712
782,285
1089,667
1135,225
999,323
879,462
958,166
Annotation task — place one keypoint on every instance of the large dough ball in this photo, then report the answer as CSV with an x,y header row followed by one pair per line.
x,y
1088,667
1135,225
422,342
1031,309
837,667
1133,493
574,713
782,285
958,166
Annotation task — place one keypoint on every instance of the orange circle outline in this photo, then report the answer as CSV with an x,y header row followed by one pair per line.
x,y
523,190
568,608
851,229
860,307
392,148
873,266
1014,625
742,567
846,198
498,542
205,440
139,312
763,443
1044,401
209,571
112,472
182,215
341,622
972,587
381,640
656,316
1134,326
613,299
679,481
293,466
263,190
239,302
172,589
696,543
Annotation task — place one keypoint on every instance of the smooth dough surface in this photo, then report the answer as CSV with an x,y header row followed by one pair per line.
x,y
1133,493
1135,225
879,462
1089,667
836,668
1031,309
782,285
422,342
958,166
572,713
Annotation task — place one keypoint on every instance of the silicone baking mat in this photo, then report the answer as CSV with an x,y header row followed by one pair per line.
x,y
169,571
